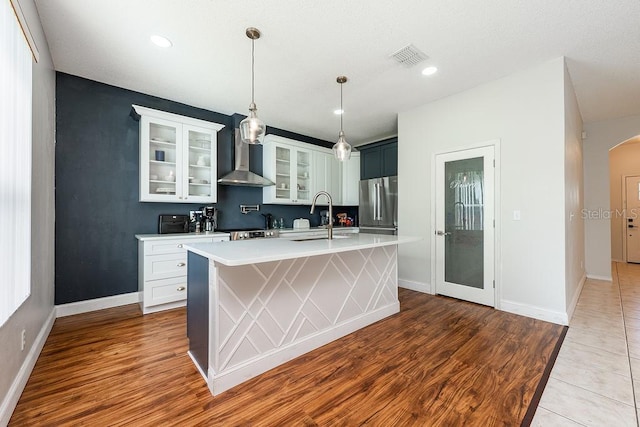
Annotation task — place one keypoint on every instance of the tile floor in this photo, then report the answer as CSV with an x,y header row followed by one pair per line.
x,y
596,378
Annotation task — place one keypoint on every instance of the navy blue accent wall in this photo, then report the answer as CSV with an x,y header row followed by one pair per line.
x,y
97,172
198,309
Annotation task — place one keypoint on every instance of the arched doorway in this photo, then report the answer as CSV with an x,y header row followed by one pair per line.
x,y
624,192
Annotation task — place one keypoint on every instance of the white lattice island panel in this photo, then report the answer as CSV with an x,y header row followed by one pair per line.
x,y
262,315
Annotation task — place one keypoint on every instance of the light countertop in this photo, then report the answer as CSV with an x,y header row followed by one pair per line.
x,y
185,236
243,252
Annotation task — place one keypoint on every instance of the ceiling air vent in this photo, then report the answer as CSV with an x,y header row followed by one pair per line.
x,y
409,56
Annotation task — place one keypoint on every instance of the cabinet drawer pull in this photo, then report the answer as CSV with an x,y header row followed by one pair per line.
x,y
181,264
179,245
180,288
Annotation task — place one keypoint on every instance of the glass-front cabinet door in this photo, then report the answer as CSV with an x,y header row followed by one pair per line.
x,y
303,176
160,155
200,151
290,166
178,157
283,174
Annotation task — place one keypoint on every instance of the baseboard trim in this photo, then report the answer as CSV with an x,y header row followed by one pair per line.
x,y
539,313
13,395
576,297
72,308
596,277
415,286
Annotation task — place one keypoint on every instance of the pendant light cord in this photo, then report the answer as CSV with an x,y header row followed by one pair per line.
x,y
341,109
252,70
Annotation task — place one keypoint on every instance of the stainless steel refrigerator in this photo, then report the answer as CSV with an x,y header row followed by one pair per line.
x,y
379,205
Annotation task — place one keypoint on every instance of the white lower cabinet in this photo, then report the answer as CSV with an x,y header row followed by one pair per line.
x,y
162,268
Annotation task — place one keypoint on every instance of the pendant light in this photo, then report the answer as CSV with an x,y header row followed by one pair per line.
x,y
341,149
252,129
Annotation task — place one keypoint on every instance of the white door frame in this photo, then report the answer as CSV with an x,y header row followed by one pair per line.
x,y
497,259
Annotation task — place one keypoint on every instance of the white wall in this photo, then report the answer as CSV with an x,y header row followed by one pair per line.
x,y
601,136
574,197
37,311
525,111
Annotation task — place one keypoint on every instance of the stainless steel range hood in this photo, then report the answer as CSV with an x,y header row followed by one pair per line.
x,y
241,175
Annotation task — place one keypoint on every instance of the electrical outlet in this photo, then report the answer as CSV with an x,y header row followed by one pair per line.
x,y
23,342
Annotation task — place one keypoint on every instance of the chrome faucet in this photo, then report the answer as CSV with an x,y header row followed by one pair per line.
x,y
313,205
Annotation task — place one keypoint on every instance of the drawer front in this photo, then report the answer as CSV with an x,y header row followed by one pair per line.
x,y
165,291
171,246
165,266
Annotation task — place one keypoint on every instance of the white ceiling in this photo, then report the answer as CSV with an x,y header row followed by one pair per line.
x,y
305,45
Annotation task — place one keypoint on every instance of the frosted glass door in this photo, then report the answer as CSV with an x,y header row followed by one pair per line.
x,y
464,225
464,211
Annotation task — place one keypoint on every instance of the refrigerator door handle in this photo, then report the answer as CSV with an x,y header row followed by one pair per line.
x,y
379,197
375,201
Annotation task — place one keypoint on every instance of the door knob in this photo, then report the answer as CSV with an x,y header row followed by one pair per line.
x,y
442,233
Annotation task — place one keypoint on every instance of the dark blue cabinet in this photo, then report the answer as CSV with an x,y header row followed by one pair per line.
x,y
379,159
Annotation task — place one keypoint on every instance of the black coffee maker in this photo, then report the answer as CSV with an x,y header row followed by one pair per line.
x,y
209,218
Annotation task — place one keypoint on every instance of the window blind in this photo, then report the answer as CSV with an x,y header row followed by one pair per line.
x,y
15,163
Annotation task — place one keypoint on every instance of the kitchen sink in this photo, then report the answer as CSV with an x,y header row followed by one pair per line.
x,y
304,239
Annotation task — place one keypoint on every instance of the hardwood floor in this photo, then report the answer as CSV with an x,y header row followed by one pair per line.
x,y
438,362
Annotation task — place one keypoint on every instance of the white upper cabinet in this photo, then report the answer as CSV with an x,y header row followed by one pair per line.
x,y
178,158
327,176
300,170
350,180
289,164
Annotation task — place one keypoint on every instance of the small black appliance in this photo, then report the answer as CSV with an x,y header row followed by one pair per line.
x,y
268,221
173,224
209,218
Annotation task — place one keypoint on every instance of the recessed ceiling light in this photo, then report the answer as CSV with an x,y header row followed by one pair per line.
x,y
338,112
429,71
161,41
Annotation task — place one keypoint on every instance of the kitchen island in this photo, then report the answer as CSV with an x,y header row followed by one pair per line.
x,y
253,305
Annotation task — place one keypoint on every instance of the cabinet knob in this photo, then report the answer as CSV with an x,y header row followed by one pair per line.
x,y
179,245
180,288
179,197
181,264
